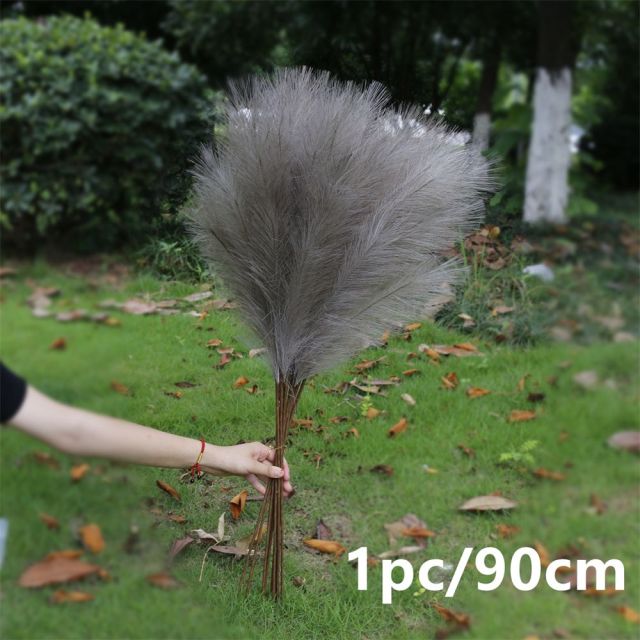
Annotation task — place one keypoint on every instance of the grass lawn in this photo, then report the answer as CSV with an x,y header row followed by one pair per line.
x,y
331,471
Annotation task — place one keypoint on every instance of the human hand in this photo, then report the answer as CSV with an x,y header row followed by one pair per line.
x,y
252,460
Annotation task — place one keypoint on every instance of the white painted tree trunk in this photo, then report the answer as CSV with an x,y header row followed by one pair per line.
x,y
547,185
481,131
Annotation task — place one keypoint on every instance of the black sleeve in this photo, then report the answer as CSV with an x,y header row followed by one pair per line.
x,y
12,392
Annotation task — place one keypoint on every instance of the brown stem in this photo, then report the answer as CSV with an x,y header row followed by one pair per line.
x,y
287,394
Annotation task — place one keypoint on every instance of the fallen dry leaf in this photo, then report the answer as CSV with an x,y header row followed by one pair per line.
x,y
139,307
243,543
372,413
408,399
488,503
450,381
91,537
367,389
418,532
178,546
237,504
597,504
467,321
120,388
586,379
58,344
365,365
627,440
221,305
412,326
240,382
236,551
184,384
399,528
411,372
198,297
177,518
466,346
398,428
72,316
506,531
50,521
59,596
46,459
79,471
432,354
254,353
629,614
214,342
325,546
225,359
205,535
173,394
518,415
501,310
56,570
460,619
163,580
543,554
468,451
64,553
477,392
167,488
545,474
41,297
353,432
383,469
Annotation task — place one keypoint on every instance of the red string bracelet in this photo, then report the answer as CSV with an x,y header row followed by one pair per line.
x,y
195,470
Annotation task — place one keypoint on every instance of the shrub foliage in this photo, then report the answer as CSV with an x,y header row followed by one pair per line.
x,y
98,126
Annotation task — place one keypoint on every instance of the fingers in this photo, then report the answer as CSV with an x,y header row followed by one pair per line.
x,y
256,484
266,469
286,485
263,466
267,453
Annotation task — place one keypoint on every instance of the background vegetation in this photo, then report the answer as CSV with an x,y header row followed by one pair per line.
x,y
98,125
88,107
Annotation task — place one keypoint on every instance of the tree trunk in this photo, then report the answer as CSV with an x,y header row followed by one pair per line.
x,y
488,80
547,187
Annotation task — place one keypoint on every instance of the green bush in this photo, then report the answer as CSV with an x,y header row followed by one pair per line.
x,y
98,127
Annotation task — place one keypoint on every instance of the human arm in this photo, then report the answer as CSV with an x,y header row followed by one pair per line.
x,y
85,433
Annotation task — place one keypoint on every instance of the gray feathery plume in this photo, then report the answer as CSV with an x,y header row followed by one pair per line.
x,y
327,211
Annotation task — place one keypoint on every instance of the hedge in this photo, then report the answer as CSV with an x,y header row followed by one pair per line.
x,y
98,127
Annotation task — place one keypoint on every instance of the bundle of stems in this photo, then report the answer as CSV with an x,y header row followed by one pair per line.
x,y
287,394
328,213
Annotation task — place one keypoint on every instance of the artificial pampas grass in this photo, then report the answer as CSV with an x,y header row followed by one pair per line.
x,y
326,212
